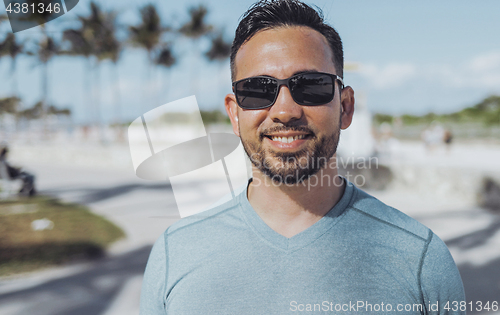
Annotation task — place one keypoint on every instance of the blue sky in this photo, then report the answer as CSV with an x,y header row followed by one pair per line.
x,y
413,57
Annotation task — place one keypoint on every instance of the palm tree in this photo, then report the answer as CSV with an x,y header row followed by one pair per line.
x,y
219,52
81,46
10,47
96,38
219,49
3,18
109,47
92,26
165,59
8,105
147,35
195,28
48,48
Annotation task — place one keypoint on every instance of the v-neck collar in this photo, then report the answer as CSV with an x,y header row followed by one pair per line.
x,y
303,238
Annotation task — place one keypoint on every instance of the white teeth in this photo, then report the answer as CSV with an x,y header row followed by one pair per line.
x,y
287,140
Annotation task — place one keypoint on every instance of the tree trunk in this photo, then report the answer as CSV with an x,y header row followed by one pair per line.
x,y
97,101
117,96
45,92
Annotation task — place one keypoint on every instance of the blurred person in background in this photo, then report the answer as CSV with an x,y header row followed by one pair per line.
x,y
448,138
433,136
299,237
11,173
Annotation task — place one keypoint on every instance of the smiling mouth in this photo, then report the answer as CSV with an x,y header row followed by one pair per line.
x,y
287,139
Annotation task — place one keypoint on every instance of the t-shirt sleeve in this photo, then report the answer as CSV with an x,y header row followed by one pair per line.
x,y
441,283
153,284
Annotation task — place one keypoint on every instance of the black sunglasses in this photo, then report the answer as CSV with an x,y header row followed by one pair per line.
x,y
309,88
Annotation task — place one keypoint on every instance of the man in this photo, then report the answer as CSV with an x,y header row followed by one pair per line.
x,y
9,173
300,237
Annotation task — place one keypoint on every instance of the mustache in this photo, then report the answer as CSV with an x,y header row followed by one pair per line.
x,y
275,129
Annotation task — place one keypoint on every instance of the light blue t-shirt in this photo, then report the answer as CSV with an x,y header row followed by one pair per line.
x,y
361,257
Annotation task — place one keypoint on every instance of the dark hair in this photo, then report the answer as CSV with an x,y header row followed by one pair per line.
x,y
269,14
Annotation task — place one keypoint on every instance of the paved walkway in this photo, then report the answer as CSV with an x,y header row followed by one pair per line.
x,y
110,286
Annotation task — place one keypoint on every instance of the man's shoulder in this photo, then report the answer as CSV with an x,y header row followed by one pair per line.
x,y
212,218
389,217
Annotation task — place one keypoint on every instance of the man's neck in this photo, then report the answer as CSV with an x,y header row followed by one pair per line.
x,y
291,209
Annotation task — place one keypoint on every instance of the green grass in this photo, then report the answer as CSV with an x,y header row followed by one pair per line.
x,y
77,234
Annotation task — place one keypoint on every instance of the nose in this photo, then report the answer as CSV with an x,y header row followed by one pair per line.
x,y
285,109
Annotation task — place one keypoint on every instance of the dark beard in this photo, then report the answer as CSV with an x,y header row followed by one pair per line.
x,y
295,167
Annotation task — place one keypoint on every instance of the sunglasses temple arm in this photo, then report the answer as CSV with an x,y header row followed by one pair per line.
x,y
341,81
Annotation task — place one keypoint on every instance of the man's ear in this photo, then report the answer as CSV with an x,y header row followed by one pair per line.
x,y
232,112
347,104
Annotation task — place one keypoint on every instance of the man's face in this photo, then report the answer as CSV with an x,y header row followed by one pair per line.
x,y
288,142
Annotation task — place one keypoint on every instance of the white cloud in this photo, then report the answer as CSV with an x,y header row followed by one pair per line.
x,y
485,70
388,76
482,72
486,62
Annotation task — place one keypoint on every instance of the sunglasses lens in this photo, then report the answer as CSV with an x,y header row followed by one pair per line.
x,y
312,88
307,89
253,93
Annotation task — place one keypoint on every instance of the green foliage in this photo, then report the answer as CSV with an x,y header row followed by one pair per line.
x,y
214,117
382,118
56,111
79,44
9,104
486,112
176,118
489,104
47,49
489,110
34,112
220,49
196,26
165,57
208,117
411,119
147,34
10,47
430,117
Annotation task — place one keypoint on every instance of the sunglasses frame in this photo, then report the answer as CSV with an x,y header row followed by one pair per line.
x,y
286,82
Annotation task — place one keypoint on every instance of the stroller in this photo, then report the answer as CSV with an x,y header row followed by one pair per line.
x,y
11,173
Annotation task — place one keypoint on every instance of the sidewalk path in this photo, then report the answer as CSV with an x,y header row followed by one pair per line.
x,y
109,286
